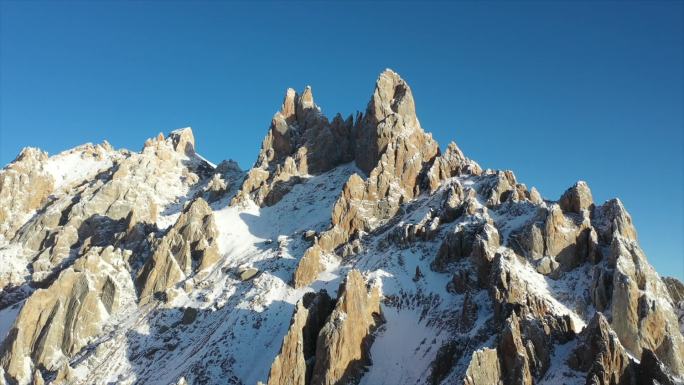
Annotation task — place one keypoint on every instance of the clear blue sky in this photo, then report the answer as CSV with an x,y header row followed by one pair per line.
x,y
554,91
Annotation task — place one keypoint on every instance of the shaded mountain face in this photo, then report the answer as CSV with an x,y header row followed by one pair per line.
x,y
354,251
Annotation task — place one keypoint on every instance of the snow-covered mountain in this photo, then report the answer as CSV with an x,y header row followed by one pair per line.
x,y
353,252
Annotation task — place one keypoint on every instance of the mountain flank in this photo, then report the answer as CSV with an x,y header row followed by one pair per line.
x,y
354,251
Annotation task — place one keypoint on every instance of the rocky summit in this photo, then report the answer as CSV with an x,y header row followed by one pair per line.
x,y
356,250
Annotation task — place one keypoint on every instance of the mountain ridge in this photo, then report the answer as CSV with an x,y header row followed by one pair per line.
x,y
353,251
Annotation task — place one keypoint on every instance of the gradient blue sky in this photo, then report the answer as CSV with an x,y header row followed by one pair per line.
x,y
555,91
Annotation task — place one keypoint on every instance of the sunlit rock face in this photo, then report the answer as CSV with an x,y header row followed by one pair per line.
x,y
54,324
354,251
25,186
188,246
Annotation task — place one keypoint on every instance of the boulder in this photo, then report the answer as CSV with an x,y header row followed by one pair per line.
x,y
247,273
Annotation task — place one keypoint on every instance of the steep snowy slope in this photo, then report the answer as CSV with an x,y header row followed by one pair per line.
x,y
353,252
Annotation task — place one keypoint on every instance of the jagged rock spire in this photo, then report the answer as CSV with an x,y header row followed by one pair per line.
x,y
287,110
390,111
395,152
192,237
183,141
25,185
302,141
577,198
392,95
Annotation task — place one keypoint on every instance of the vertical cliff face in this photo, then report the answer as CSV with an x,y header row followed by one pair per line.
x,y
295,363
391,113
25,186
354,251
300,142
676,289
395,152
329,342
342,349
602,356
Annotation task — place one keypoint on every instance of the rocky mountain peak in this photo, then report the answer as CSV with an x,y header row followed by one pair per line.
x,y
392,95
295,106
306,101
183,141
288,109
577,198
354,252
301,141
390,114
30,154
26,185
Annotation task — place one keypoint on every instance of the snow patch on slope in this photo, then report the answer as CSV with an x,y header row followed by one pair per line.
x,y
537,285
77,165
403,349
239,326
